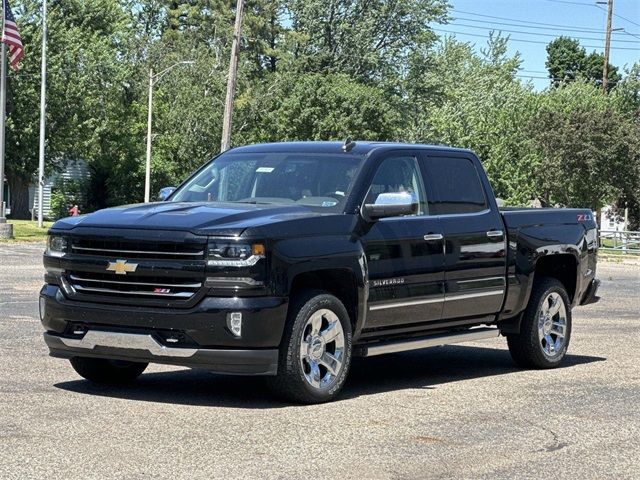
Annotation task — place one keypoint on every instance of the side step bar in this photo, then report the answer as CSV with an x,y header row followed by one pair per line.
x,y
432,341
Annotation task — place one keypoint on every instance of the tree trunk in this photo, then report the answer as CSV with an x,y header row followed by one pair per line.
x,y
19,198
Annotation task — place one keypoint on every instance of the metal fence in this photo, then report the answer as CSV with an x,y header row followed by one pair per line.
x,y
625,242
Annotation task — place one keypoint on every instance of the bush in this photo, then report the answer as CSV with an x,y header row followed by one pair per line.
x,y
59,208
64,194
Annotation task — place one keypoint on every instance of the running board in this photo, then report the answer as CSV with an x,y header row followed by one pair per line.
x,y
433,341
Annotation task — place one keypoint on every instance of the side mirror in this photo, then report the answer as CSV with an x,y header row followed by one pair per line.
x,y
390,205
165,192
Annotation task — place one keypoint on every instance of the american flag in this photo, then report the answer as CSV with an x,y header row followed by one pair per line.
x,y
11,36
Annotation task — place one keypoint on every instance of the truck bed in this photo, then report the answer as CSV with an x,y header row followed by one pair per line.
x,y
522,217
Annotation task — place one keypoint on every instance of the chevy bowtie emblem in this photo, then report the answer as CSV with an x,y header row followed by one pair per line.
x,y
121,267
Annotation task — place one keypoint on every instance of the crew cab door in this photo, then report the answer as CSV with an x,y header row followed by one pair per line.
x,y
404,254
475,243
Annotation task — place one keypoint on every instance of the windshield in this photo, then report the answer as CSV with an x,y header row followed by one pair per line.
x,y
311,179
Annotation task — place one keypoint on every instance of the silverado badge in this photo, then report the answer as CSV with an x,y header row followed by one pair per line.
x,y
121,267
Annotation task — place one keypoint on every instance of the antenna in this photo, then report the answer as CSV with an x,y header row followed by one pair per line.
x,y
348,145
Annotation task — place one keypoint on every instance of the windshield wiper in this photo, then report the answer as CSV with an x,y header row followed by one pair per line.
x,y
253,202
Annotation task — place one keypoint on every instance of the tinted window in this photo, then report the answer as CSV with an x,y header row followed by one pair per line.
x,y
398,175
313,180
456,184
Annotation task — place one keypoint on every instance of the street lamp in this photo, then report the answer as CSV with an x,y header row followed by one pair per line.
x,y
153,79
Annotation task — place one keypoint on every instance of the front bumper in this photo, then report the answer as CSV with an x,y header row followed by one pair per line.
x,y
144,348
194,337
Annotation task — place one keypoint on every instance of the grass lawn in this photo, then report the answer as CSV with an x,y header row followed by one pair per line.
x,y
28,231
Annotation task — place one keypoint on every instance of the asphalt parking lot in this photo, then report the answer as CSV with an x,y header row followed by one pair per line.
x,y
452,412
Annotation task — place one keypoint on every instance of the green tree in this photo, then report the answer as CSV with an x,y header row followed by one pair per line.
x,y
568,61
88,90
368,40
475,101
587,149
315,107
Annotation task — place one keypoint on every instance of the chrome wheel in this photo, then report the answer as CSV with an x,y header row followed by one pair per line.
x,y
552,325
322,349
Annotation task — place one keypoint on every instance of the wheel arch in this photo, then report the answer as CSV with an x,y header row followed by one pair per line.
x,y
339,282
563,267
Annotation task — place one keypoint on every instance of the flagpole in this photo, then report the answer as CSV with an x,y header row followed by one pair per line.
x,y
43,108
3,102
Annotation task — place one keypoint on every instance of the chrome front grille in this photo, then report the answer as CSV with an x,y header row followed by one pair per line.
x,y
165,270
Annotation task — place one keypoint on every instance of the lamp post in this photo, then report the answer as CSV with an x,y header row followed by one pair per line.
x,y
153,79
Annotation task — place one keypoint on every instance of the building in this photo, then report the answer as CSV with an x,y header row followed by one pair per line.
x,y
610,222
74,170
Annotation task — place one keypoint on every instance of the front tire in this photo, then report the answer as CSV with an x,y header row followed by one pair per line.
x,y
315,354
545,329
100,370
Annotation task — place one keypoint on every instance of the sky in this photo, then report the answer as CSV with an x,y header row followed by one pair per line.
x,y
528,22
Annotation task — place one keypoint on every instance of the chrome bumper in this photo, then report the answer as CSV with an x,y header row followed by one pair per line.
x,y
143,347
129,341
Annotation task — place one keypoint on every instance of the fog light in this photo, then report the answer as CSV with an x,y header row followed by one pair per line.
x,y
234,323
42,305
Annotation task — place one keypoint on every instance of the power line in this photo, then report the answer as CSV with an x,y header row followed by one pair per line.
x,y
571,3
537,33
594,30
629,33
550,78
527,41
579,30
593,5
619,16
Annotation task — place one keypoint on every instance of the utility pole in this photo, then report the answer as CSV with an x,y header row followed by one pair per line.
x,y
225,144
607,43
153,79
43,109
147,170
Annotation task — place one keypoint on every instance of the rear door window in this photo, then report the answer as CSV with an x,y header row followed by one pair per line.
x,y
456,185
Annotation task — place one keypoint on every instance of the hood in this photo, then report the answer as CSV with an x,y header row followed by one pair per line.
x,y
199,218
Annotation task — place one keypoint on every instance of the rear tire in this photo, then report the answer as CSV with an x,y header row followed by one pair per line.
x,y
315,354
545,329
100,370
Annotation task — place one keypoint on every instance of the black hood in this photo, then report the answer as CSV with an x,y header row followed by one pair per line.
x,y
199,218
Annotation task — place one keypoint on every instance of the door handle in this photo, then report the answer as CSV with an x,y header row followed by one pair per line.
x,y
431,237
495,233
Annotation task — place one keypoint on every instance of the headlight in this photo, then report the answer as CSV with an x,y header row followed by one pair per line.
x,y
230,253
57,246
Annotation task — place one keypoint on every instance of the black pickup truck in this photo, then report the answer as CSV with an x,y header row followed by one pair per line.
x,y
288,259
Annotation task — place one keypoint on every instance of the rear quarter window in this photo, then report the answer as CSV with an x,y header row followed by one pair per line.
x,y
456,186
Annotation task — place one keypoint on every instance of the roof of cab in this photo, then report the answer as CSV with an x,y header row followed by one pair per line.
x,y
360,148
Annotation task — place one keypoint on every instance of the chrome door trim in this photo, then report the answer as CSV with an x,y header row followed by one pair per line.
x,y
408,303
486,279
495,233
448,297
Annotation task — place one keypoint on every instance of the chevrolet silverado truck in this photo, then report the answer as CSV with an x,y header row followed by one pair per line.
x,y
288,259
